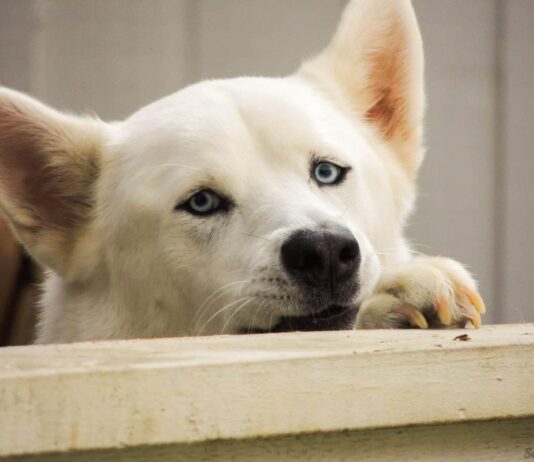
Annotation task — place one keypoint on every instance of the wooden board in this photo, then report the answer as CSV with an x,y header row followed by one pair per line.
x,y
479,441
132,394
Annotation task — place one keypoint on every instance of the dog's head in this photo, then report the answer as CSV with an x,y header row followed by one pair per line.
x,y
241,205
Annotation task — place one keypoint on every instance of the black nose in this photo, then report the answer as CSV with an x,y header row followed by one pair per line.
x,y
321,258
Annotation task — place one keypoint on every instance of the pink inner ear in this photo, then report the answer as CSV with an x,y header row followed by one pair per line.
x,y
389,82
35,172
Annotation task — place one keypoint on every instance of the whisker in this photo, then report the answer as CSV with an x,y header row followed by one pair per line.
x,y
271,320
258,237
346,310
190,167
200,311
240,271
239,308
251,327
222,310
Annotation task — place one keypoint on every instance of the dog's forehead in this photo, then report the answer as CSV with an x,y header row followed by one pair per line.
x,y
235,116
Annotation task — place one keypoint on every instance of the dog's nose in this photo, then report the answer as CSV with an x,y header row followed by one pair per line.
x,y
321,258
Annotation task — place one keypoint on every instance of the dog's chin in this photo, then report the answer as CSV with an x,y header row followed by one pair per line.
x,y
334,317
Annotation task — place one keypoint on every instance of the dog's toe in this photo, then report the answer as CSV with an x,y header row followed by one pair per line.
x,y
428,292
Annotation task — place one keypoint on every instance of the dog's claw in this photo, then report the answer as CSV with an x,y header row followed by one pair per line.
x,y
474,318
444,311
476,300
414,316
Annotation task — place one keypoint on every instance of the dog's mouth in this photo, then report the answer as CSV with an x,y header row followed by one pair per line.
x,y
335,317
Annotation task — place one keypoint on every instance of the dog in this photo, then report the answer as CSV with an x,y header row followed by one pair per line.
x,y
247,205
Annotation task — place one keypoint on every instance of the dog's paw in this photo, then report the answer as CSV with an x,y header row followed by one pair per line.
x,y
425,292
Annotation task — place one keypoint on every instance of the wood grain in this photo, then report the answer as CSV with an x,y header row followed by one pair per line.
x,y
108,395
479,441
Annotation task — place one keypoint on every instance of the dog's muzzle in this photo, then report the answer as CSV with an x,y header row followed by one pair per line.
x,y
324,266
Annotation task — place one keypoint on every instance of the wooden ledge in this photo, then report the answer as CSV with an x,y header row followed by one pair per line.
x,y
129,394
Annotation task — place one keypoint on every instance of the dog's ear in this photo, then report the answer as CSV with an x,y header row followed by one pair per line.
x,y
375,62
49,162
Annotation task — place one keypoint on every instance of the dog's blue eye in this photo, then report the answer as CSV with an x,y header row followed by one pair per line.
x,y
206,202
203,203
328,173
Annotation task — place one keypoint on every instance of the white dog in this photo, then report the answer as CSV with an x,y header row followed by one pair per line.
x,y
243,205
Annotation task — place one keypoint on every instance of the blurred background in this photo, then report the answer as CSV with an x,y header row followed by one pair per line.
x,y
476,200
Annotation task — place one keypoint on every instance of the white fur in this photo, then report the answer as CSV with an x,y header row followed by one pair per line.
x,y
139,268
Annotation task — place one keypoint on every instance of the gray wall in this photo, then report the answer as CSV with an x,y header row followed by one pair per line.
x,y
477,194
